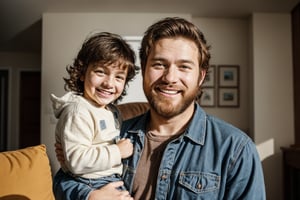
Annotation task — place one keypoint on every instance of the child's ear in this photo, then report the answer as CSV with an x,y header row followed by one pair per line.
x,y
82,78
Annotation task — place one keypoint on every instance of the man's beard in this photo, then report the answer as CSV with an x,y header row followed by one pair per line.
x,y
165,107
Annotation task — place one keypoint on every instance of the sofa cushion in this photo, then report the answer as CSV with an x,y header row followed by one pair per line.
x,y
133,109
25,174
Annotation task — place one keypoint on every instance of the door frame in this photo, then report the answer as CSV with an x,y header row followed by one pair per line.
x,y
8,105
18,89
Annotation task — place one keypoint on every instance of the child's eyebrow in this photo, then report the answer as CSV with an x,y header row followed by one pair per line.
x,y
121,71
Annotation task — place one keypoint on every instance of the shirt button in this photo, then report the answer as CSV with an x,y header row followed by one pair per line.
x,y
164,177
199,186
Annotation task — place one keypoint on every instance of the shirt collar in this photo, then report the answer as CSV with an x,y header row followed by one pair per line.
x,y
197,126
195,130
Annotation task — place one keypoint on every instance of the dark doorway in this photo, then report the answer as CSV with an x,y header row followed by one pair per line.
x,y
3,109
30,106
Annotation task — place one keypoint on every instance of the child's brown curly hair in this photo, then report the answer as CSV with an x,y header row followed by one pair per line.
x,y
101,48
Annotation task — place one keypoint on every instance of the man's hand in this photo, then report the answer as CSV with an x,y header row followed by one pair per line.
x,y
109,192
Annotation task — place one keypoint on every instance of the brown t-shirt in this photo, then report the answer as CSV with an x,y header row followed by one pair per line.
x,y
146,174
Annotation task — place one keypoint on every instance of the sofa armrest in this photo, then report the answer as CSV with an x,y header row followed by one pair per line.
x,y
130,110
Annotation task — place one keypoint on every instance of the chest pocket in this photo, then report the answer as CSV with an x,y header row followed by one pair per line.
x,y
199,182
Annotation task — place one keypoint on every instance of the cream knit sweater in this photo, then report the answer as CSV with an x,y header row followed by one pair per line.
x,y
87,134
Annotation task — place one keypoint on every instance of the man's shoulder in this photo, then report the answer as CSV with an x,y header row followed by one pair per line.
x,y
225,130
210,123
224,135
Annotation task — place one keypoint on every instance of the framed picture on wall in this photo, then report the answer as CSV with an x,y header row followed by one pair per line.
x,y
228,75
209,80
228,97
208,97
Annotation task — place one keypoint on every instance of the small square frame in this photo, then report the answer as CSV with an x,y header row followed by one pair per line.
x,y
208,97
228,97
228,75
209,80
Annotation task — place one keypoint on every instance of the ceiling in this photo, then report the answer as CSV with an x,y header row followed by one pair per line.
x,y
20,21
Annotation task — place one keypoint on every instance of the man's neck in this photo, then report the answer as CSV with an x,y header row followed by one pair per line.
x,y
160,125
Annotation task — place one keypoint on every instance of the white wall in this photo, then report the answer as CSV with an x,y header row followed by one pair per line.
x,y
63,34
273,92
135,90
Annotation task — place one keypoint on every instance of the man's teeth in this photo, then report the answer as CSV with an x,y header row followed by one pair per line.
x,y
169,91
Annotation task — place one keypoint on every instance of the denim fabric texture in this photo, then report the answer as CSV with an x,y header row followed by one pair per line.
x,y
211,160
68,187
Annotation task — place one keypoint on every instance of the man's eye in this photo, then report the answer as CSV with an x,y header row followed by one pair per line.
x,y
158,65
185,67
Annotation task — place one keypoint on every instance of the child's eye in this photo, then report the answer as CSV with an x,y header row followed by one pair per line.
x,y
99,71
120,78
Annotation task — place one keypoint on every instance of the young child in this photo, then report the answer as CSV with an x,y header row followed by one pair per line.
x,y
88,122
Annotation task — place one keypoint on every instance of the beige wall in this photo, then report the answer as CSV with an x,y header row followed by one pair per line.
x,y
229,40
273,92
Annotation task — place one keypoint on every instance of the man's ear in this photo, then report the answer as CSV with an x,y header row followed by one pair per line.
x,y
202,76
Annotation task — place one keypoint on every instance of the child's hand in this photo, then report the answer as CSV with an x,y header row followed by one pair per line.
x,y
59,153
126,147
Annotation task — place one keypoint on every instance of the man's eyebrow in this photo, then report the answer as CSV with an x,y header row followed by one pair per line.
x,y
158,59
187,61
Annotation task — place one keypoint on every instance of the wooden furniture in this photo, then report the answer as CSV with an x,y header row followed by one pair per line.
x,y
291,173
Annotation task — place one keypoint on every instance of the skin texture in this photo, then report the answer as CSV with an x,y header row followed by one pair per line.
x,y
103,84
171,81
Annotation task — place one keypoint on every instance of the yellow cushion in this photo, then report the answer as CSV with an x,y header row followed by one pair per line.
x,y
25,174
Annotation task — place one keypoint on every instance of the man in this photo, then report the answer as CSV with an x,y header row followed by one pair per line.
x,y
180,152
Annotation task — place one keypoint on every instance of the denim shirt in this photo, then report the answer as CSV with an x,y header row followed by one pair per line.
x,y
210,160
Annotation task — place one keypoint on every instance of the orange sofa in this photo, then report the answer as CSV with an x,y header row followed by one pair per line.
x,y
25,174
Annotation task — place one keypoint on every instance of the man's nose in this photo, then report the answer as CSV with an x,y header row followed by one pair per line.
x,y
171,74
